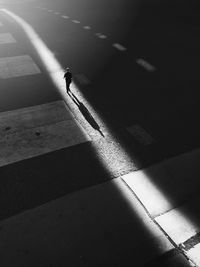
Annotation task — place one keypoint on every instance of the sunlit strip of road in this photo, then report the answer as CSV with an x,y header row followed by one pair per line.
x,y
55,71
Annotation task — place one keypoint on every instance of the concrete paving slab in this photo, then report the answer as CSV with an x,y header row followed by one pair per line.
x,y
6,38
183,222
167,185
194,255
103,225
37,130
17,66
147,191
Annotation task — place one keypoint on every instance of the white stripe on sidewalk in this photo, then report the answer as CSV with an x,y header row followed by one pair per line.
x,y
33,131
6,38
17,66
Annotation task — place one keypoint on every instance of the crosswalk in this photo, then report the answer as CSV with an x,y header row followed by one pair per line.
x,y
43,136
37,130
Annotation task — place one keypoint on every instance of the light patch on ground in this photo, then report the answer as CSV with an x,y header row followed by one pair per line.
x,y
176,225
17,66
149,194
6,38
119,47
101,36
194,255
32,131
87,27
76,21
1,24
65,17
146,65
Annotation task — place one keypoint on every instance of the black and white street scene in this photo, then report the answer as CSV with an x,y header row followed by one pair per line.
x,y
99,133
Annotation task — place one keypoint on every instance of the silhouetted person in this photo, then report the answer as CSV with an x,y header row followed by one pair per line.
x,y
68,79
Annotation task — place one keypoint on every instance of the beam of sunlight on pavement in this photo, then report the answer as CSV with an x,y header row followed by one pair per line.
x,y
111,153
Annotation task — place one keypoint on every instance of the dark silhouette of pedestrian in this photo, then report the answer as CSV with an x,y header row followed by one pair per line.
x,y
68,79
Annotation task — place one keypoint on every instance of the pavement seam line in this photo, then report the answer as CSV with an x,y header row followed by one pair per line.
x,y
176,247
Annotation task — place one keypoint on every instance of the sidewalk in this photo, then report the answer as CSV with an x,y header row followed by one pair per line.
x,y
106,225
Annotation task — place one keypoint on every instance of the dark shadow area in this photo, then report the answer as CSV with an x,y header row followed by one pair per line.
x,y
85,112
158,102
33,182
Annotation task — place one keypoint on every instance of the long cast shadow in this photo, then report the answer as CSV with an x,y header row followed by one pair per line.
x,y
85,112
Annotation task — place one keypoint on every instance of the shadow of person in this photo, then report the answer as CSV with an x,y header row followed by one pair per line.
x,y
86,114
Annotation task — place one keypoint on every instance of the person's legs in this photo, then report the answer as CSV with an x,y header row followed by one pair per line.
x,y
67,87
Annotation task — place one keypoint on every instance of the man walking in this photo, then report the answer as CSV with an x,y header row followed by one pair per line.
x,y
68,79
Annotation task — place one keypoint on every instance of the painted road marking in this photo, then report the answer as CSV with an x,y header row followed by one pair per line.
x,y
87,27
65,17
82,79
140,134
33,131
1,24
57,13
101,36
146,65
6,38
119,47
17,66
76,21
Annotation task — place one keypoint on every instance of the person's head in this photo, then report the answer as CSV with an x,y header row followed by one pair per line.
x,y
67,69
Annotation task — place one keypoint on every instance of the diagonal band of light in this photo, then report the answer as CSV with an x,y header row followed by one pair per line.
x,y
55,71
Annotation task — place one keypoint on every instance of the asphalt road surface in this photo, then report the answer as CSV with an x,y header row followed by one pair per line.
x,y
139,60
135,65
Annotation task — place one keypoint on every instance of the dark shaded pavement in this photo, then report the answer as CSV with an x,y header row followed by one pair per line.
x,y
164,102
121,90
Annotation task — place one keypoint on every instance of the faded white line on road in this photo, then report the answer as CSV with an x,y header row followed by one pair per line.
x,y
82,79
146,65
50,10
76,21
37,130
87,27
57,13
6,38
101,36
17,66
1,24
119,47
65,17
140,134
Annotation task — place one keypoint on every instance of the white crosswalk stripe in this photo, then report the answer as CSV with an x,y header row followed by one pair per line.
x,y
17,66
33,131
6,38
